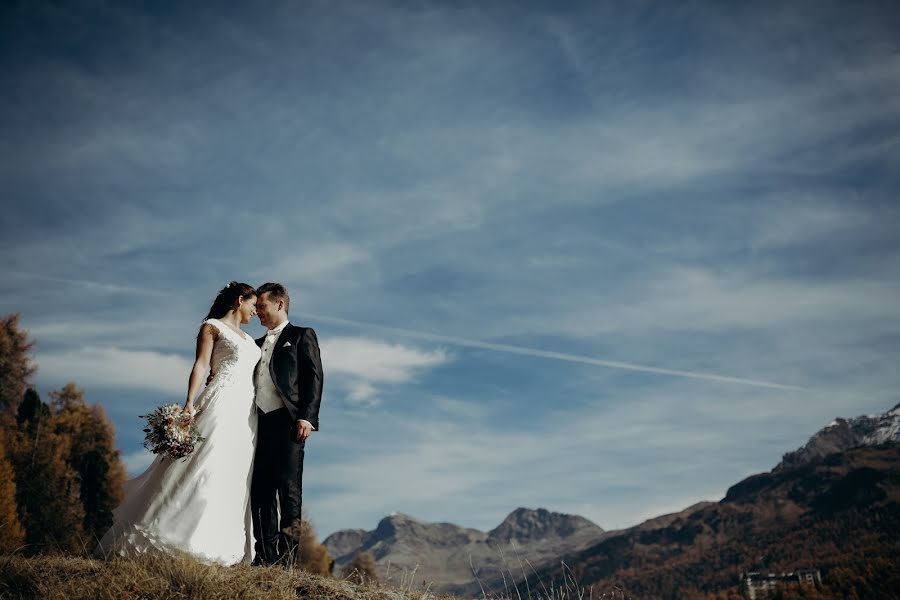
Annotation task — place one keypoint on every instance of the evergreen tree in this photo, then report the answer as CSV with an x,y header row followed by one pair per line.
x,y
32,413
16,367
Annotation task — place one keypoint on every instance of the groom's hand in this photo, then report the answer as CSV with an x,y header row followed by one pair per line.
x,y
302,431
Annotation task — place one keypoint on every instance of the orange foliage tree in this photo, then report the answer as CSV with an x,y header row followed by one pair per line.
x,y
12,536
60,474
47,493
92,455
312,556
362,568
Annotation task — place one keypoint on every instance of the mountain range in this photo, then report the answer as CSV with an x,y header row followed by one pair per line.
x,y
825,505
443,554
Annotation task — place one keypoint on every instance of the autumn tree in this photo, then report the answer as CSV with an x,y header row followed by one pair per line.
x,y
92,456
312,556
47,490
66,475
361,568
12,536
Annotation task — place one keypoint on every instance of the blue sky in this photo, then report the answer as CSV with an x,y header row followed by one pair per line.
x,y
605,258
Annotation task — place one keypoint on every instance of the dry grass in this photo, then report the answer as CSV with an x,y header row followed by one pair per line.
x,y
155,576
159,576
534,588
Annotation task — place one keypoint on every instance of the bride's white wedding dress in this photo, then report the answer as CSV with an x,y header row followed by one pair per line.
x,y
201,504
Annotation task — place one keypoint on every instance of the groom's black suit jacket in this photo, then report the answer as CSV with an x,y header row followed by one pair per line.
x,y
296,369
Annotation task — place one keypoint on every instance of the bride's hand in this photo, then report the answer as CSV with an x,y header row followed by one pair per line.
x,y
188,414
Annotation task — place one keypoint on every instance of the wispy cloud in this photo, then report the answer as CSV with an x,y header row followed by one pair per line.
x,y
317,261
359,364
806,217
94,286
702,299
116,367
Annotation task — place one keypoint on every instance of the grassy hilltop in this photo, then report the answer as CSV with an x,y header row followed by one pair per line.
x,y
75,578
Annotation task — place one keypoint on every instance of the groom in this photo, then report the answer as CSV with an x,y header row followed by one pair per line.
x,y
288,393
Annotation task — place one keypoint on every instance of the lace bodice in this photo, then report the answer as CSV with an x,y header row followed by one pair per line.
x,y
234,355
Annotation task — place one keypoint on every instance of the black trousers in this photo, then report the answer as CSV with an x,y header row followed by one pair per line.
x,y
277,471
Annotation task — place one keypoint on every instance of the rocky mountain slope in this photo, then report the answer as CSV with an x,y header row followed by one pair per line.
x,y
834,505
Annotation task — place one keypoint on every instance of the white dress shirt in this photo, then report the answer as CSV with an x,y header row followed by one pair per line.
x,y
267,396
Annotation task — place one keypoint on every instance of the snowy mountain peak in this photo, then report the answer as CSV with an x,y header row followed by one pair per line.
x,y
843,434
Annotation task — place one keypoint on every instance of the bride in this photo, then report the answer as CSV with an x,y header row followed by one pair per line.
x,y
201,504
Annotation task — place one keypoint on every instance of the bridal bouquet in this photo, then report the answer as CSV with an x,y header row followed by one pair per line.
x,y
171,431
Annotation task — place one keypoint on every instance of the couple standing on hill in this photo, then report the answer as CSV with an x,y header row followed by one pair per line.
x,y
258,408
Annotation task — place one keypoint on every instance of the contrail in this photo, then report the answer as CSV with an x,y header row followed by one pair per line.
x,y
468,343
457,341
107,287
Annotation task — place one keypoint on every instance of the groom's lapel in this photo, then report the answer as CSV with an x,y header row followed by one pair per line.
x,y
277,350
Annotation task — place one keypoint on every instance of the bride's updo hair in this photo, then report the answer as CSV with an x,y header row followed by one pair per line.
x,y
227,295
